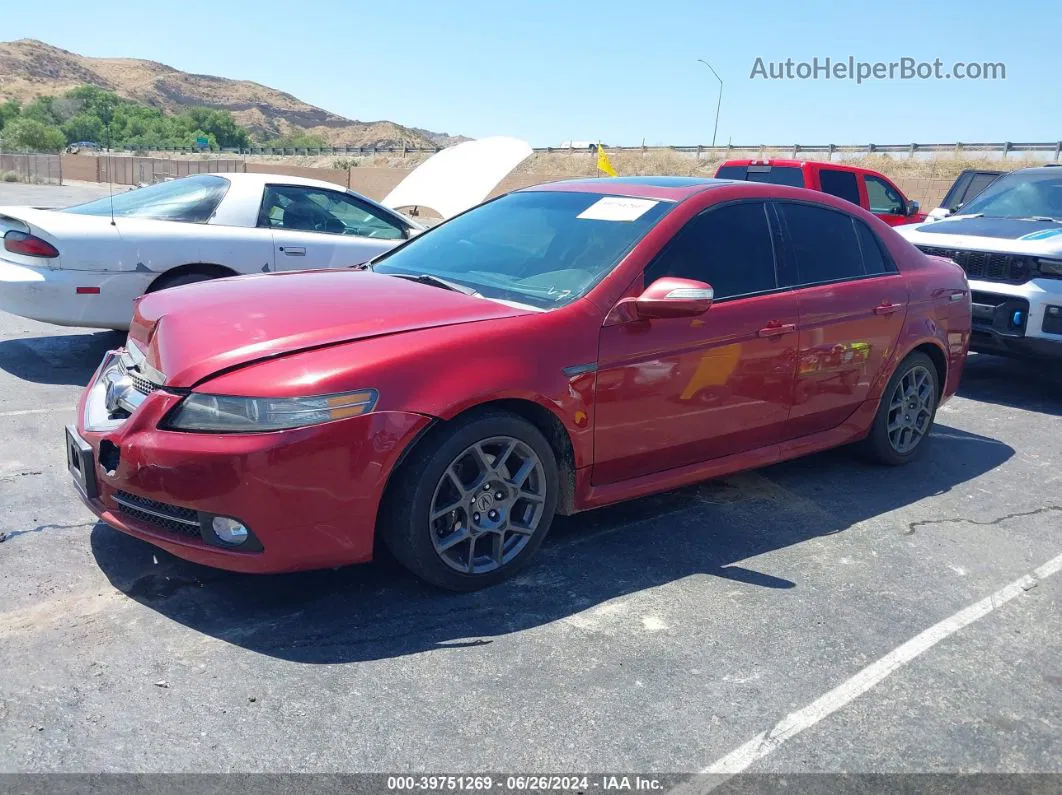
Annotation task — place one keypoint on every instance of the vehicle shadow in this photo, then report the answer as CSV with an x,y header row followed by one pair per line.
x,y
1034,386
59,359
378,611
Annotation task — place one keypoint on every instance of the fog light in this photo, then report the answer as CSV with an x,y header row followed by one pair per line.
x,y
1017,318
229,530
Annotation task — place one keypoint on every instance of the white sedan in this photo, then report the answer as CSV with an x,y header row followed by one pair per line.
x,y
84,265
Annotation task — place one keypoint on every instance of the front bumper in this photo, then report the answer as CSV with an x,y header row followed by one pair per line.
x,y
51,295
1023,320
309,496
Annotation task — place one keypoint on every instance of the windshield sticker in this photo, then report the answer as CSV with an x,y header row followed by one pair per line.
x,y
1043,234
614,208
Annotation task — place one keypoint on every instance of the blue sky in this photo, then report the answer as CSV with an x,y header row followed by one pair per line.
x,y
621,71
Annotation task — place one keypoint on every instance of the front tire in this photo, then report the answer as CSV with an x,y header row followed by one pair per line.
x,y
900,432
473,503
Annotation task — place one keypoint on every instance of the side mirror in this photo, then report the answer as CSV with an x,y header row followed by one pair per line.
x,y
913,207
671,297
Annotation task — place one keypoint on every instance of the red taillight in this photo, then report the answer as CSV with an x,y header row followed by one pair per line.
x,y
28,245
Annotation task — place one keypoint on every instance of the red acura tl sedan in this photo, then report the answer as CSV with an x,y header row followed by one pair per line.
x,y
557,349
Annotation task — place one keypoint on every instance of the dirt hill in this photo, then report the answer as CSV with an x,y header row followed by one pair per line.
x,y
30,68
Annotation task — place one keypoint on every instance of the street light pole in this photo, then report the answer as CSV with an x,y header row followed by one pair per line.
x,y
719,102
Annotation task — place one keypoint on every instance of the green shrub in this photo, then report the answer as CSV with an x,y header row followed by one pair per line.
x,y
10,176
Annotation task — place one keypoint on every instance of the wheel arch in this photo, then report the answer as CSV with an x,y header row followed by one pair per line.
x,y
936,353
208,268
545,420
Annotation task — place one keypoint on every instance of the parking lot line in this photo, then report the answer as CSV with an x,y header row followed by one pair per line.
x,y
761,745
21,412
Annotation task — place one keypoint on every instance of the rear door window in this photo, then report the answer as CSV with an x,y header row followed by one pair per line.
x,y
875,259
821,245
841,184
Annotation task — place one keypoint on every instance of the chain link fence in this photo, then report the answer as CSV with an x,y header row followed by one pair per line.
x,y
35,168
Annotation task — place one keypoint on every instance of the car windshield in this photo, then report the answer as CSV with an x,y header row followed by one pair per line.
x,y
190,199
538,248
1021,195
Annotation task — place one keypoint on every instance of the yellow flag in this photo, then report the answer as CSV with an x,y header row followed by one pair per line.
x,y
602,162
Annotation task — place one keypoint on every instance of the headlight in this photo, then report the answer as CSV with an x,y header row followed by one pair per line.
x,y
227,414
1051,268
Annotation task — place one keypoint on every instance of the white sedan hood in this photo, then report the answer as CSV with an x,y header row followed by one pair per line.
x,y
459,177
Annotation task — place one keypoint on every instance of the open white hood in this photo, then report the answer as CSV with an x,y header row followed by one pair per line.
x,y
459,177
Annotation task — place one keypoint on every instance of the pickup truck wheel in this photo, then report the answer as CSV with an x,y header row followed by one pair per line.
x,y
473,503
901,427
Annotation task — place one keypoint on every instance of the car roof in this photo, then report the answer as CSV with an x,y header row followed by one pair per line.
x,y
1050,169
783,162
649,187
249,179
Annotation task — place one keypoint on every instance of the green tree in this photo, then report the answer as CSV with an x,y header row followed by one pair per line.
x,y
84,127
33,135
97,101
41,110
9,111
297,141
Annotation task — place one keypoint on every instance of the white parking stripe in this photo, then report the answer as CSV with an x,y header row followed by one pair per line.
x,y
764,743
56,410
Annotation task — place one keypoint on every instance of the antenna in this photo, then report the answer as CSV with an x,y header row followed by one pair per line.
x,y
110,186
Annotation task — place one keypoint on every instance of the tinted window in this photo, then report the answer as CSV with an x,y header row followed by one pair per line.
x,y
731,172
874,258
730,248
319,210
774,175
883,197
839,183
542,248
822,244
777,175
191,199
958,192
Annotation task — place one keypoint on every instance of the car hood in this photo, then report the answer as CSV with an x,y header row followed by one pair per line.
x,y
190,333
459,177
1007,235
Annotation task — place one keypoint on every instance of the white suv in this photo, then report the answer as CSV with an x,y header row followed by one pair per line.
x,y
1009,242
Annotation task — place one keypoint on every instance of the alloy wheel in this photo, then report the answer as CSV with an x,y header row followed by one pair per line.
x,y
487,505
911,409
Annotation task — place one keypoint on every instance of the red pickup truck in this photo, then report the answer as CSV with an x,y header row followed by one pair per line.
x,y
869,189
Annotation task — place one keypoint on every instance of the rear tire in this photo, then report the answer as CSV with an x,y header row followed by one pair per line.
x,y
901,427
473,502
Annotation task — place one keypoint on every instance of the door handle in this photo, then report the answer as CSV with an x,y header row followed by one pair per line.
x,y
777,329
294,251
887,308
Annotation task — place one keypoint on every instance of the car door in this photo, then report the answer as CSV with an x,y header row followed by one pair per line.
x,y
677,391
851,303
885,200
319,228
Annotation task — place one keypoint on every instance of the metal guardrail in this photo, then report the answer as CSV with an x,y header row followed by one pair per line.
x,y
1004,148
